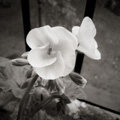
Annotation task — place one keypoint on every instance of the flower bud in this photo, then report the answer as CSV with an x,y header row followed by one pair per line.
x,y
60,86
55,86
19,62
24,55
78,79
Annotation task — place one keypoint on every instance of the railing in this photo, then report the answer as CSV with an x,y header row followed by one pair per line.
x,y
26,19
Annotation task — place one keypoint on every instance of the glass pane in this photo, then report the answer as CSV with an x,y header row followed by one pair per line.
x,y
103,76
11,29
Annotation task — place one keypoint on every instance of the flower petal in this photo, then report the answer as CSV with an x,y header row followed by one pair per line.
x,y
89,43
92,53
52,71
75,30
40,36
87,28
68,54
64,34
85,36
39,57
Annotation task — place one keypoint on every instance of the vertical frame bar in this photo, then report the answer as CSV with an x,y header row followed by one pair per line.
x,y
90,8
89,11
39,12
26,19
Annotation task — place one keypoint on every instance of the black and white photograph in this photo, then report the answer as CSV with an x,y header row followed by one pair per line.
x,y
59,59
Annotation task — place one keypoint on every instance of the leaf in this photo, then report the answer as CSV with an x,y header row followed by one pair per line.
x,y
50,112
72,90
12,78
12,106
61,107
38,95
4,115
41,115
65,99
3,96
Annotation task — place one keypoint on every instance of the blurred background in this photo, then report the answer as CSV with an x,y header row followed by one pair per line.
x,y
103,76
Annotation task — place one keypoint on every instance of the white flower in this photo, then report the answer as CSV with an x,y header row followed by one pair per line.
x,y
86,42
53,51
74,107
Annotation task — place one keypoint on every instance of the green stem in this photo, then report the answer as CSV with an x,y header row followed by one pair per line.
x,y
25,96
43,104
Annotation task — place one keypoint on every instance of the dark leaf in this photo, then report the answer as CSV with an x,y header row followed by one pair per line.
x,y
62,108
38,95
6,97
59,107
4,115
65,99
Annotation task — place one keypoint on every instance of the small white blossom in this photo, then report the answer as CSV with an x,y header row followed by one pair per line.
x,y
74,107
86,42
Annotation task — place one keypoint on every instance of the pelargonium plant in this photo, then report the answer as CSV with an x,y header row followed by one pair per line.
x,y
50,65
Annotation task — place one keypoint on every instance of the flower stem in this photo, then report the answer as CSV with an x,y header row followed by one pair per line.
x,y
43,104
46,101
25,96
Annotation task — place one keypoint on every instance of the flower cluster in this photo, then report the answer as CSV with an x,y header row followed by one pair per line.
x,y
53,49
